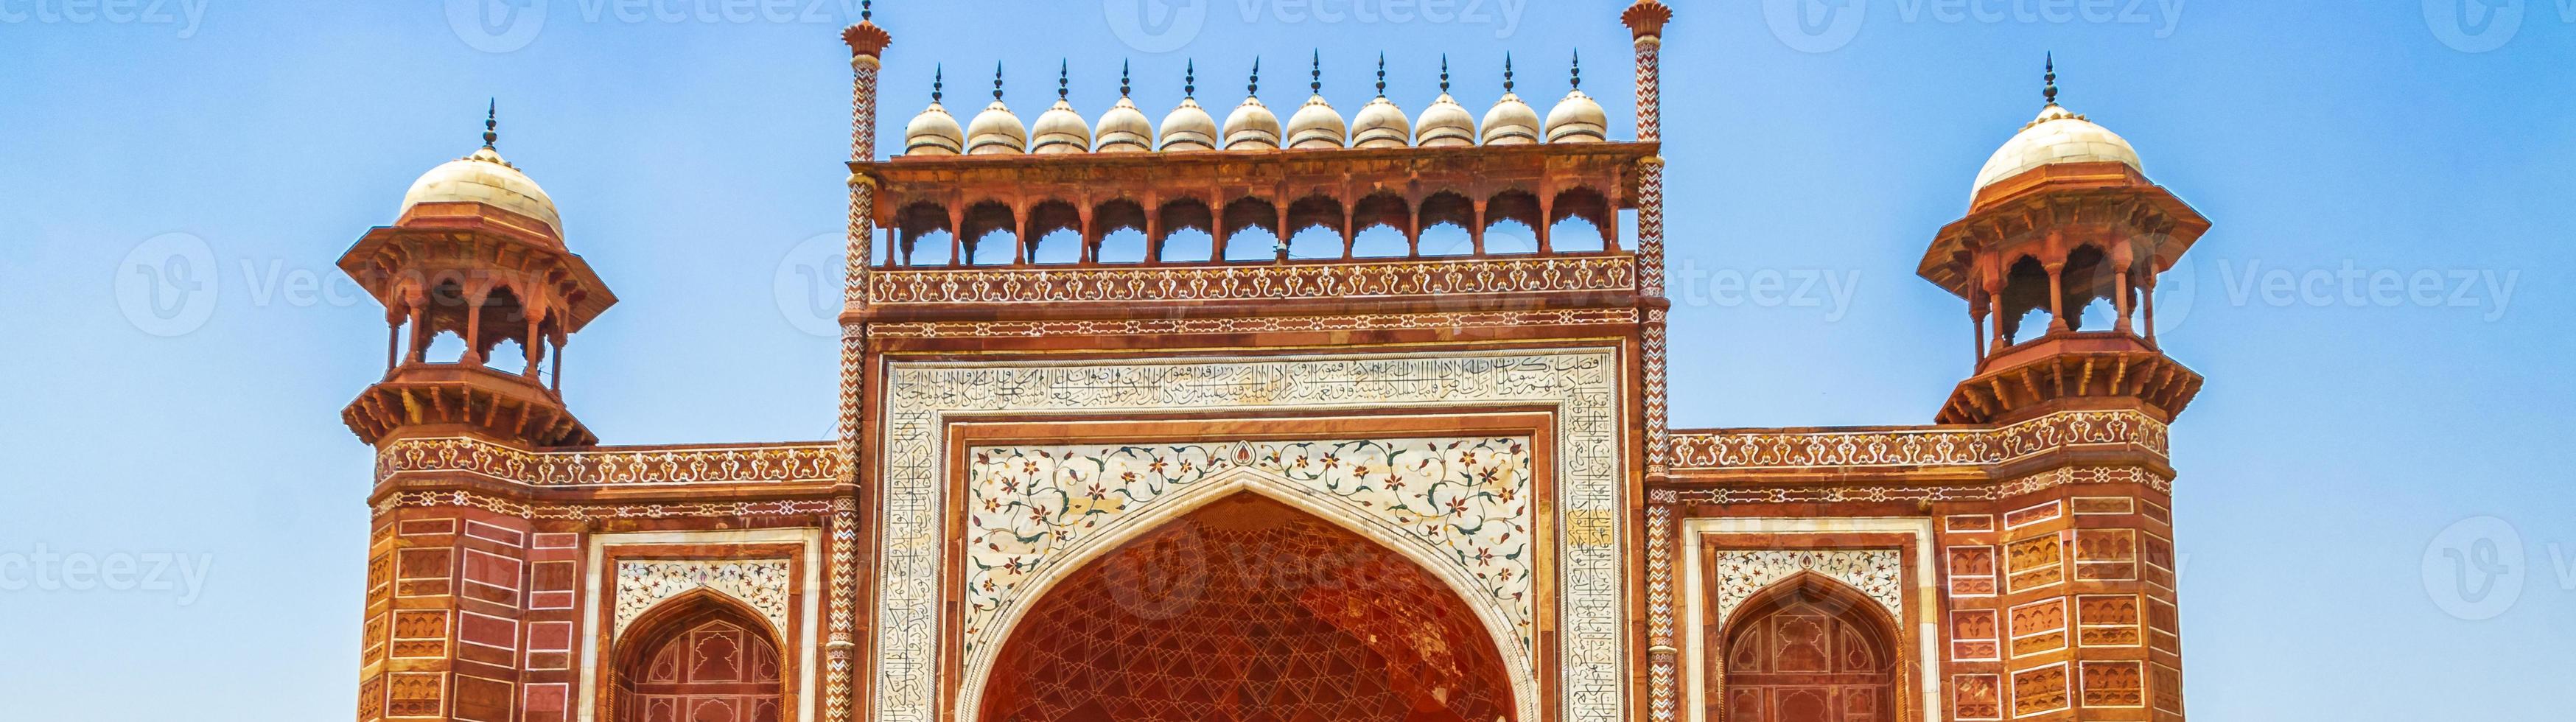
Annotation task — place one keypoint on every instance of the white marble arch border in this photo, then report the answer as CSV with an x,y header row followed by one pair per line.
x,y
1497,623
1584,384
1924,598
594,595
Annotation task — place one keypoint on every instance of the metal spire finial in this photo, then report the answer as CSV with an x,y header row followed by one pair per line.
x,y
1190,82
491,122
1507,73
938,82
2051,92
1317,84
1126,80
1254,88
1444,73
1578,68
1063,79
867,10
1381,74
997,82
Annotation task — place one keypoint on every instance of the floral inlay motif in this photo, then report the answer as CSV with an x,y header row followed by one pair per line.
x,y
1468,498
1877,573
761,584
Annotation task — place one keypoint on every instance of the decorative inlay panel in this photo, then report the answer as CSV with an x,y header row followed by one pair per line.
x,y
818,462
763,585
1916,447
1987,491
1877,573
1254,282
1028,507
580,512
1582,385
1263,324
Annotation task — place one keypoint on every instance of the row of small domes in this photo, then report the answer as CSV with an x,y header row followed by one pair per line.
x,y
1252,125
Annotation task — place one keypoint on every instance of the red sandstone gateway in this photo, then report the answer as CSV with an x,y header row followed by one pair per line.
x,y
1243,481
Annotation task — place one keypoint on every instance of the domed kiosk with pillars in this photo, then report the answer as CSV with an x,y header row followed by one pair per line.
x,y
1248,420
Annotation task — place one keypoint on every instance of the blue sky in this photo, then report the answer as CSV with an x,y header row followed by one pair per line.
x,y
694,152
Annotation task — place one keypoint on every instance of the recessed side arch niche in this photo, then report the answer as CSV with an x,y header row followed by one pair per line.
x,y
1390,548
1247,608
1809,648
701,656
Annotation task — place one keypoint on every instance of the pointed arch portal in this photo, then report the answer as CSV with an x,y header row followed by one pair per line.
x,y
1810,649
1249,609
699,657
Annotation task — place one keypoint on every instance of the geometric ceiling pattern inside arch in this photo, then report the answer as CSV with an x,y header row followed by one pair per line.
x,y
1248,610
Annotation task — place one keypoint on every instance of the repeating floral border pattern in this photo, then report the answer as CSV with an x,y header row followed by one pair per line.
x,y
585,512
761,584
1470,497
817,462
1585,385
1267,324
1980,492
1878,573
1916,447
1255,282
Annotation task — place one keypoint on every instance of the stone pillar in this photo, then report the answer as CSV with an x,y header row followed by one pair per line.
x,y
1645,20
867,48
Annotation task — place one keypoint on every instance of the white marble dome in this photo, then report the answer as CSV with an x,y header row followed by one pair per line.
x,y
1577,119
1445,124
2056,136
934,132
1060,130
1124,129
1317,125
996,132
484,177
1189,127
1511,122
1381,124
1252,127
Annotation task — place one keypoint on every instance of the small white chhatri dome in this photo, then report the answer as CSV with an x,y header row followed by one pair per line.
x,y
1380,124
1445,124
1124,129
1511,122
1577,118
1252,126
934,131
2057,136
1189,127
483,177
1316,124
1061,129
996,131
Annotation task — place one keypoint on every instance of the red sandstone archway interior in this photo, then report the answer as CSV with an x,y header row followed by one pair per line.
x,y
1810,650
706,663
1249,611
